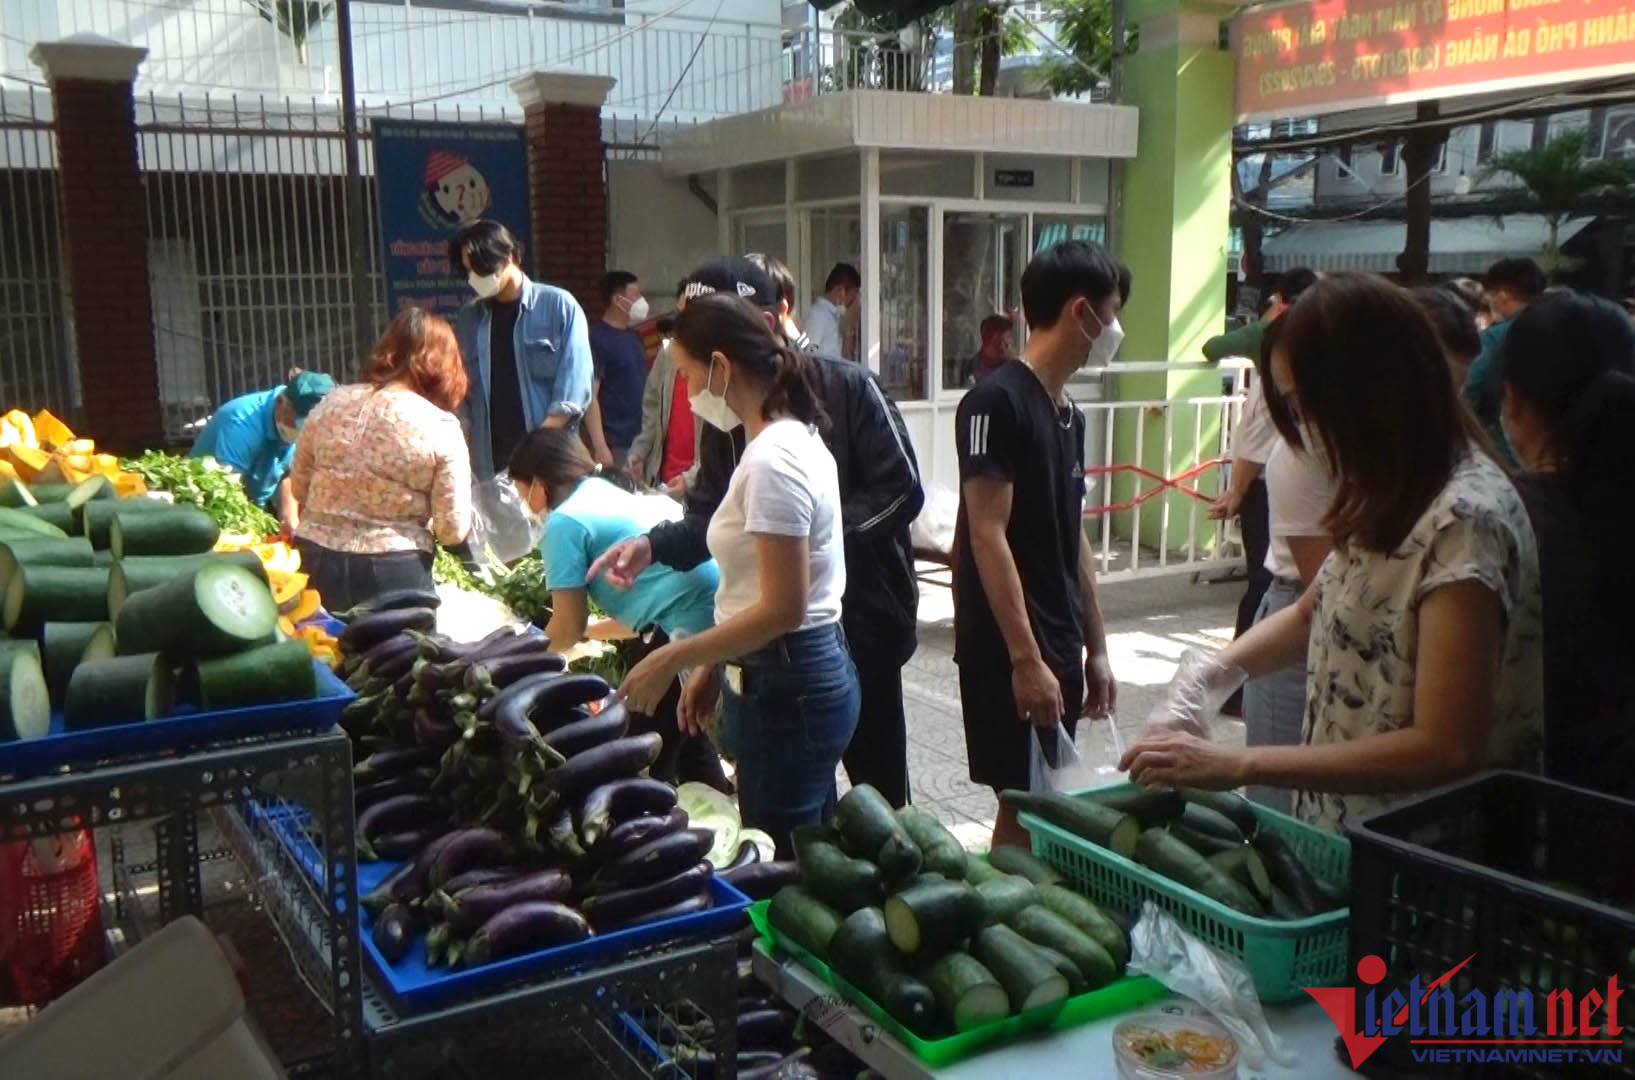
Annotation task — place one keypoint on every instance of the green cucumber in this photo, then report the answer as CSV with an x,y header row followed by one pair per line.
x,y
1230,805
1067,969
1030,980
1044,927
1284,907
967,993
36,594
23,521
185,530
932,916
808,921
1023,863
1004,896
138,573
865,819
940,848
1084,818
262,676
25,700
1205,844
42,551
1150,806
1162,852
1201,818
1244,864
978,869
62,647
50,493
97,517
217,609
90,489
837,879
1089,918
123,690
55,514
862,953
1290,874
14,493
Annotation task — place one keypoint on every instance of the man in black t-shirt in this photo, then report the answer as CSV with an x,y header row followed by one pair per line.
x,y
1028,635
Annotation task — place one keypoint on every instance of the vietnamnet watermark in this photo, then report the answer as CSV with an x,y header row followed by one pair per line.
x,y
1510,1026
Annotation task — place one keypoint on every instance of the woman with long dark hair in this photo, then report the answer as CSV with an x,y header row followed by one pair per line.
x,y
1568,367
791,700
1421,633
586,511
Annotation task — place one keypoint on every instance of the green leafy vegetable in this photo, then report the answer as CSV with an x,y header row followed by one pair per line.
x,y
523,590
207,484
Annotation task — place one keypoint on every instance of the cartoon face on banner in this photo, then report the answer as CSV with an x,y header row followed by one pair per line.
x,y
456,192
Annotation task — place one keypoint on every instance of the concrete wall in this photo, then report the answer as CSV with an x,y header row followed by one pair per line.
x,y
657,229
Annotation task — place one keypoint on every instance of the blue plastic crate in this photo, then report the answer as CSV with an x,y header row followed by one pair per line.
x,y
189,728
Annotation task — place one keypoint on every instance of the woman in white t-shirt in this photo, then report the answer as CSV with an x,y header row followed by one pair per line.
x,y
791,698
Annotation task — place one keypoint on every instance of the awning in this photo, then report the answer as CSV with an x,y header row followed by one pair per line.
x,y
1459,246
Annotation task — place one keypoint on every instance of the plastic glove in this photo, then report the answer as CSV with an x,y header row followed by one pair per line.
x,y
1195,695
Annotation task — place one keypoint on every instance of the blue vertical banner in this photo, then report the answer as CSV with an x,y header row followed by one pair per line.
x,y
430,179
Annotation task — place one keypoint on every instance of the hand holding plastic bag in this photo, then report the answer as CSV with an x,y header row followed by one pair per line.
x,y
1161,948
1056,764
1195,695
503,528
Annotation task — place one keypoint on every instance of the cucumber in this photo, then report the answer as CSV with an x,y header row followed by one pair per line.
x,y
122,690
23,521
1205,844
55,514
14,493
62,647
1022,863
49,493
1044,927
1030,981
930,917
1089,918
1230,805
861,951
42,551
1084,818
865,819
261,676
1284,907
940,849
138,573
25,698
1150,806
98,517
87,490
837,879
1244,864
1004,896
1067,969
978,869
219,608
1290,874
1201,818
967,993
56,593
184,530
1167,855
808,921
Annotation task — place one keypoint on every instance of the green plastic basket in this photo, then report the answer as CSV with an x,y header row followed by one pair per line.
x,y
1282,955
1116,997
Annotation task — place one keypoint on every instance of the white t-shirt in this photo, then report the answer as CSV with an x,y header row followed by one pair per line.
x,y
823,327
785,485
1298,494
1255,435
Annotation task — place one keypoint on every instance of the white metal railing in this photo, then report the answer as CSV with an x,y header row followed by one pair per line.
x,y
819,60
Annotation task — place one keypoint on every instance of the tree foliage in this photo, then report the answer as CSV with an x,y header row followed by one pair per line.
x,y
1085,30
1560,177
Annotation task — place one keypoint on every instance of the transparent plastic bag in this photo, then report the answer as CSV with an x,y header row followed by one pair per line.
x,y
503,529
1195,695
1069,772
1160,947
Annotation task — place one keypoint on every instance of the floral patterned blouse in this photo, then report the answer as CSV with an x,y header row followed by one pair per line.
x,y
382,470
1360,666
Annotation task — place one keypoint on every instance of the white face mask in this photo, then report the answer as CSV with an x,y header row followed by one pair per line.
x,y
636,310
287,432
711,407
486,285
1104,345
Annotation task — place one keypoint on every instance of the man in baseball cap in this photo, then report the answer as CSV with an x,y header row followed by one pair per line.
x,y
732,274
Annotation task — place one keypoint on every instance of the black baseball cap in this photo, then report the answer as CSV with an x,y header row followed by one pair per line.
x,y
732,274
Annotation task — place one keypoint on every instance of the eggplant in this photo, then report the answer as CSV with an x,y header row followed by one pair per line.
x,y
367,630
390,600
538,924
627,836
461,650
483,875
434,731
791,1066
384,653
498,674
399,887
398,813
765,1029
396,669
562,838
654,860
467,850
407,843
618,800
545,698
608,911
414,782
590,730
611,761
759,880
394,932
700,1063
747,854
481,903
700,901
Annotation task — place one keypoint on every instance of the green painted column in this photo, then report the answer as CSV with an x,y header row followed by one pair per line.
x,y
1173,230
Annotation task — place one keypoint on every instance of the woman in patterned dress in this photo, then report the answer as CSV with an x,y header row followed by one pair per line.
x,y
1421,632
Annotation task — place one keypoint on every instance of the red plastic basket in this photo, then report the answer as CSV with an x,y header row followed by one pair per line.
x,y
50,915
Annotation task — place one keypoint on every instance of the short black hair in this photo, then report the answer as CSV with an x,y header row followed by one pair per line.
x,y
1292,282
489,244
783,278
1451,316
1521,276
613,283
843,274
1125,281
1059,273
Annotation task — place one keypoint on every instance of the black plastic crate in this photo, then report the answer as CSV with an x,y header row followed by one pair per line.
x,y
1532,880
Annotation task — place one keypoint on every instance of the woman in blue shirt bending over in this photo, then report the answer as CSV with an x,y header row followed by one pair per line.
x,y
255,436
585,515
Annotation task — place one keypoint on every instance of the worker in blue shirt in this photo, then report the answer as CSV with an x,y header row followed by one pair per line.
x,y
255,436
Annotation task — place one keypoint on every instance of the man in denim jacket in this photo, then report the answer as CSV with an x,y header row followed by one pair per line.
x,y
526,348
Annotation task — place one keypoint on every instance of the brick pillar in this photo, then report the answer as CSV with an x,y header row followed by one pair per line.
x,y
567,179
105,236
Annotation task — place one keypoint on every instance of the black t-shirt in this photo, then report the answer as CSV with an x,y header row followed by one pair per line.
x,y
505,418
1008,429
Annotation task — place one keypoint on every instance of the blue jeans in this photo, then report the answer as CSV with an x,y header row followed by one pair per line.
x,y
1274,706
787,724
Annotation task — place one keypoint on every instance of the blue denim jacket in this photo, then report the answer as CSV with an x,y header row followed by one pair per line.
x,y
552,346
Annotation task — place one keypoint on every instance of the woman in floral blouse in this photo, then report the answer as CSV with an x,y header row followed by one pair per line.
x,y
1421,632
382,470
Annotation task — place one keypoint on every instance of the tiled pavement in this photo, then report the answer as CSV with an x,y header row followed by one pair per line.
x,y
1150,623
